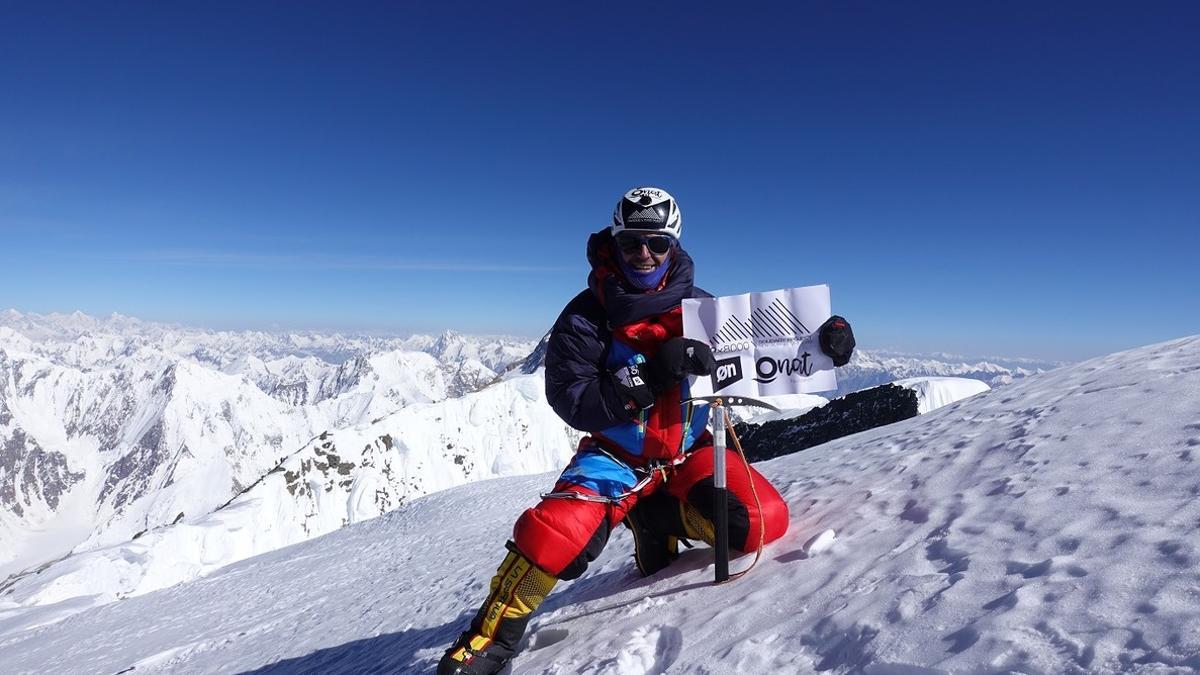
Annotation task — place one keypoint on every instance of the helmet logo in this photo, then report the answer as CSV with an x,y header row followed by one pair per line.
x,y
644,215
645,195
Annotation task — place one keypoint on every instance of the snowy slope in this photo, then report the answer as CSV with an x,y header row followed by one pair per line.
x,y
1046,527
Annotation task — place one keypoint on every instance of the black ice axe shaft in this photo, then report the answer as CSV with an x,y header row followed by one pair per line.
x,y
720,477
721,496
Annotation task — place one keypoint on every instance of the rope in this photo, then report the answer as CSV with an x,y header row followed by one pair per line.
x,y
762,523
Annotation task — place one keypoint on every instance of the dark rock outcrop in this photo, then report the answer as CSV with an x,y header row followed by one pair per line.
x,y
843,416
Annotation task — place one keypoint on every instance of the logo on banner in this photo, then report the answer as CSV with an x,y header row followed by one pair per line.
x,y
769,368
774,325
727,372
763,343
777,321
735,335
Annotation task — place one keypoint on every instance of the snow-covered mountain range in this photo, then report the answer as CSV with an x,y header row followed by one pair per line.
x,y
136,455
1048,526
869,368
113,427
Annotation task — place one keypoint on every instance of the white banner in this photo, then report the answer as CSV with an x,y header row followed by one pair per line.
x,y
765,343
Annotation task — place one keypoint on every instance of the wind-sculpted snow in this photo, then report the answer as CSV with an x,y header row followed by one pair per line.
x,y
1049,526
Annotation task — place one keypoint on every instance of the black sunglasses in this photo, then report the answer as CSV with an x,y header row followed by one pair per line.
x,y
658,244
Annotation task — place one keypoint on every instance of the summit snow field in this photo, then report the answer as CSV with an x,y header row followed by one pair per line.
x,y
1047,526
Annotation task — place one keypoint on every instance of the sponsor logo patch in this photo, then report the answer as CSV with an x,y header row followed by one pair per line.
x,y
646,215
768,368
646,192
727,372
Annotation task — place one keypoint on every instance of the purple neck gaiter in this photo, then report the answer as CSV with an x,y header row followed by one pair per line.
x,y
645,280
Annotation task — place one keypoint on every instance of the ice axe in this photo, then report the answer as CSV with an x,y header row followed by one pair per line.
x,y
721,497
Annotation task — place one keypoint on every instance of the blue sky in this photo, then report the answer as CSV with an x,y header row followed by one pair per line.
x,y
1001,178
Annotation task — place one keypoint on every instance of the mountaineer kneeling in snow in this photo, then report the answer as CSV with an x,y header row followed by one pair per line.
x,y
616,367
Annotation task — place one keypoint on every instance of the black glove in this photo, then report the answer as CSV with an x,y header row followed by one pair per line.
x,y
630,382
837,339
675,360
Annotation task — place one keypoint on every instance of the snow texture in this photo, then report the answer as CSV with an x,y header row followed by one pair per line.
x,y
1049,526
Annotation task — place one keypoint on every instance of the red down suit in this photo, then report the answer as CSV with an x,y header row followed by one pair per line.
x,y
629,455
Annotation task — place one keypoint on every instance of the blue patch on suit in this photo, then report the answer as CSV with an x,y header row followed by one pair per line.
x,y
599,472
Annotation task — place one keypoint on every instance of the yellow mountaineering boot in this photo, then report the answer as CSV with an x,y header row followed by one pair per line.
x,y
697,527
518,588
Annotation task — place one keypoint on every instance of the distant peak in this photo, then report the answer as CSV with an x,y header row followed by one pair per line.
x,y
448,338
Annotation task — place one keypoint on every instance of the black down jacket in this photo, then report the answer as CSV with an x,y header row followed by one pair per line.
x,y
578,384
